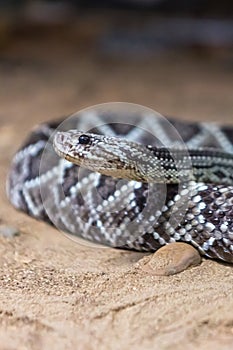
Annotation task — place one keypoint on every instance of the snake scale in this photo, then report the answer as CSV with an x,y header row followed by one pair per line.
x,y
126,205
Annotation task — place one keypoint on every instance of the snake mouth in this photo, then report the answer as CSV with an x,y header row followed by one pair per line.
x,y
60,144
64,148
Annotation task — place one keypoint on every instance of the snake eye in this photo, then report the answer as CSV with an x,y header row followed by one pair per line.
x,y
84,139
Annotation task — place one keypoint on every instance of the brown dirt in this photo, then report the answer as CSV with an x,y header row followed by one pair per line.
x,y
57,294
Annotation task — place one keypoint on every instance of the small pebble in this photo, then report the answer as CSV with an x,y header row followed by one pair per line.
x,y
8,231
171,259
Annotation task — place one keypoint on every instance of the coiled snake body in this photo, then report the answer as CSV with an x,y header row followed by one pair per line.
x,y
165,195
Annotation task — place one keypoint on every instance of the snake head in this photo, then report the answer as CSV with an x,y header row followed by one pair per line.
x,y
121,158
112,156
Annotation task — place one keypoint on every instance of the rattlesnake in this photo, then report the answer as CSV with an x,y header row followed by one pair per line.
x,y
140,212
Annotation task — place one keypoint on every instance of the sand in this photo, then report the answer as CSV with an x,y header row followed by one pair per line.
x,y
56,293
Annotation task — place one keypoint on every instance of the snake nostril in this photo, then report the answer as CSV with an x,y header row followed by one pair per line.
x,y
84,139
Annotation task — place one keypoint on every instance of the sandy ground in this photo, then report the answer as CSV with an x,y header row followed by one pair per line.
x,y
58,294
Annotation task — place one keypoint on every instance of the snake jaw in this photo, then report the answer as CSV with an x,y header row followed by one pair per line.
x,y
60,144
66,147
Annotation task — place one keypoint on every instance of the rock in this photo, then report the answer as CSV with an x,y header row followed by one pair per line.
x,y
171,259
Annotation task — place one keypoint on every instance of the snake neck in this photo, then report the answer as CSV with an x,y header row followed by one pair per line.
x,y
181,165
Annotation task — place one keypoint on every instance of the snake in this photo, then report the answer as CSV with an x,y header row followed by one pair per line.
x,y
117,184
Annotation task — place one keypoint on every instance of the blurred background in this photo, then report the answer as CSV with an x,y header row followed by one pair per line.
x,y
57,57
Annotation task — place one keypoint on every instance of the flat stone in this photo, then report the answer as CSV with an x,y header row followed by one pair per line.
x,y
171,259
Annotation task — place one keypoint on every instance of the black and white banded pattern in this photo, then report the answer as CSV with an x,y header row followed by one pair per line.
x,y
126,213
